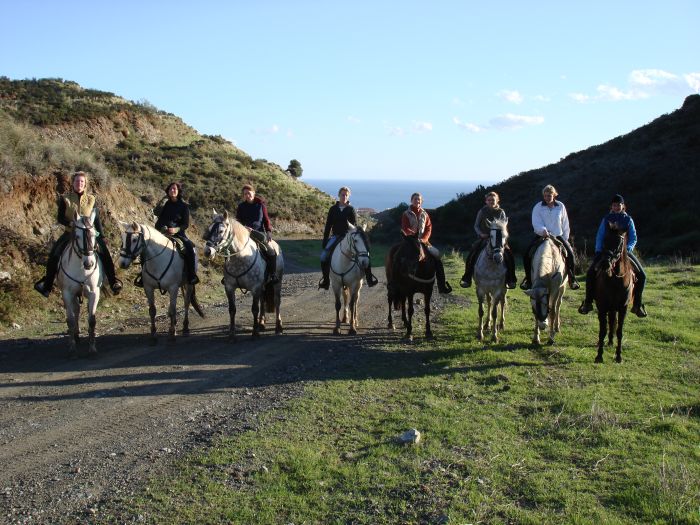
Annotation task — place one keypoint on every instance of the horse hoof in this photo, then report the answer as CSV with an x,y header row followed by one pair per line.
x,y
279,330
336,331
390,326
429,337
550,342
261,328
352,331
618,359
185,332
598,359
255,335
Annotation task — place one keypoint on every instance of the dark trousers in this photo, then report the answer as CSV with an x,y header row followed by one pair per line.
x,y
267,251
189,256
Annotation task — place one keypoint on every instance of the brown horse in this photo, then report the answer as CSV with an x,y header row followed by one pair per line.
x,y
614,287
407,275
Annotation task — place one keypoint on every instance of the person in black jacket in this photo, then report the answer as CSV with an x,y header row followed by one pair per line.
x,y
252,213
339,215
173,220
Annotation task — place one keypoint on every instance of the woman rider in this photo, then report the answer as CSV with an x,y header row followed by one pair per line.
x,y
173,220
77,201
490,212
252,213
549,218
416,224
618,215
339,216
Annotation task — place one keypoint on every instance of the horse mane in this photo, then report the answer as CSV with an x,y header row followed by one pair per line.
x,y
240,232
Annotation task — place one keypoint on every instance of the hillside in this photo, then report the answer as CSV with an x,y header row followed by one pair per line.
x,y
51,127
652,166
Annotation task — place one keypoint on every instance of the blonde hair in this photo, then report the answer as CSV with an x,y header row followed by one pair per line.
x,y
493,194
550,189
79,174
248,187
344,188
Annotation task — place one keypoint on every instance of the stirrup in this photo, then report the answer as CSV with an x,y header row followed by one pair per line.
x,y
138,281
371,280
573,284
639,310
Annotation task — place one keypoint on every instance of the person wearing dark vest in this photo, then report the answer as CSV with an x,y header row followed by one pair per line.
x,y
549,219
490,212
77,201
339,216
173,221
416,225
618,215
252,213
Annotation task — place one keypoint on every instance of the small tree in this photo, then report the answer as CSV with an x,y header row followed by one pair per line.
x,y
295,169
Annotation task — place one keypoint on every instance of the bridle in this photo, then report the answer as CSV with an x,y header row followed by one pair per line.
x,y
87,247
353,254
496,243
131,250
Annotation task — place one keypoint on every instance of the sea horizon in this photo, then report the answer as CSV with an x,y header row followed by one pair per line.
x,y
383,194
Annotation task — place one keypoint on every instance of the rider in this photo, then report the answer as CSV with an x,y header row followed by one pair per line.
x,y
339,216
252,213
416,224
618,215
173,220
77,201
490,212
549,218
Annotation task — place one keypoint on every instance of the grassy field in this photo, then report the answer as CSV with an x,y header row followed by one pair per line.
x,y
510,433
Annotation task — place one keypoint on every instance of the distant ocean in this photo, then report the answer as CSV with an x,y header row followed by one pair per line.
x,y
382,194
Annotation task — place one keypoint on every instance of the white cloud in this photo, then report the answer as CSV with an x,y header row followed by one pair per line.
x,y
511,121
541,98
614,94
693,80
511,96
580,97
421,127
651,77
467,126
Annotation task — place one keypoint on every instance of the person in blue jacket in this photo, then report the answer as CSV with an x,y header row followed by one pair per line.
x,y
617,214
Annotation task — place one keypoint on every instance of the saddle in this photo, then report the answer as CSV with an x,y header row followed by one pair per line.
x,y
556,242
179,245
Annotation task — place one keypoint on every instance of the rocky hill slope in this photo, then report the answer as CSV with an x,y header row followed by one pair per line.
x,y
656,168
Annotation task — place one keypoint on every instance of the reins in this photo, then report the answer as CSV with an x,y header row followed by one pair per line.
x,y
353,256
140,252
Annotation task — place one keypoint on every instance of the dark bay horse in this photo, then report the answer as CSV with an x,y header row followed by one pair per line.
x,y
407,274
614,287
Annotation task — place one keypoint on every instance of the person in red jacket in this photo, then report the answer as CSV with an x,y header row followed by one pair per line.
x,y
416,224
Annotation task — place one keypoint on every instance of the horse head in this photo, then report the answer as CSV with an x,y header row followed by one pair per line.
x,y
84,239
133,243
358,245
539,301
217,233
498,236
614,246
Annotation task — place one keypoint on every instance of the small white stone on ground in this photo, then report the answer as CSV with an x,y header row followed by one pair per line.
x,y
410,436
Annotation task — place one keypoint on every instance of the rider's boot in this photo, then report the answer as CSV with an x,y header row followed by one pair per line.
x,y
271,269
115,285
325,281
573,283
45,284
466,280
511,279
370,278
587,304
443,286
637,304
526,284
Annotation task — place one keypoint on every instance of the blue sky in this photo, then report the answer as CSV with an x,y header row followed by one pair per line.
x,y
453,90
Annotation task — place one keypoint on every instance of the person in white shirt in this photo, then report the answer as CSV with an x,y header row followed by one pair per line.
x,y
549,219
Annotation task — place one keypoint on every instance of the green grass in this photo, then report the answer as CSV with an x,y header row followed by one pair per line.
x,y
511,433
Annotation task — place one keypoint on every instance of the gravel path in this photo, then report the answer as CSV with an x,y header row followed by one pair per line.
x,y
74,434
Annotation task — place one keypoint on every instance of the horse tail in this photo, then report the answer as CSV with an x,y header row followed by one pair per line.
x,y
269,295
195,303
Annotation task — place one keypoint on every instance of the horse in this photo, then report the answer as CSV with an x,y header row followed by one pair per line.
x,y
349,262
547,278
163,269
406,276
80,275
244,268
614,288
490,279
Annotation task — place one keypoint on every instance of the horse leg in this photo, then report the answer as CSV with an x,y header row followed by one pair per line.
x,y
93,299
620,322
256,310
602,327
187,291
536,334
409,319
172,313
353,311
278,301
480,331
487,323
231,296
389,318
611,326
428,331
72,323
346,300
502,321
494,316
150,295
338,304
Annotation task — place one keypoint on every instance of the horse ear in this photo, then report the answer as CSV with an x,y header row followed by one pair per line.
x,y
134,226
351,227
215,213
124,225
364,226
225,215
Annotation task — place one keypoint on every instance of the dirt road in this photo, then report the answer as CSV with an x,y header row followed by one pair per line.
x,y
74,433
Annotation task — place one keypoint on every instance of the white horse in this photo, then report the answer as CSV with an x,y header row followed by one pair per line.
x,y
490,279
349,263
244,268
548,278
80,275
162,269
